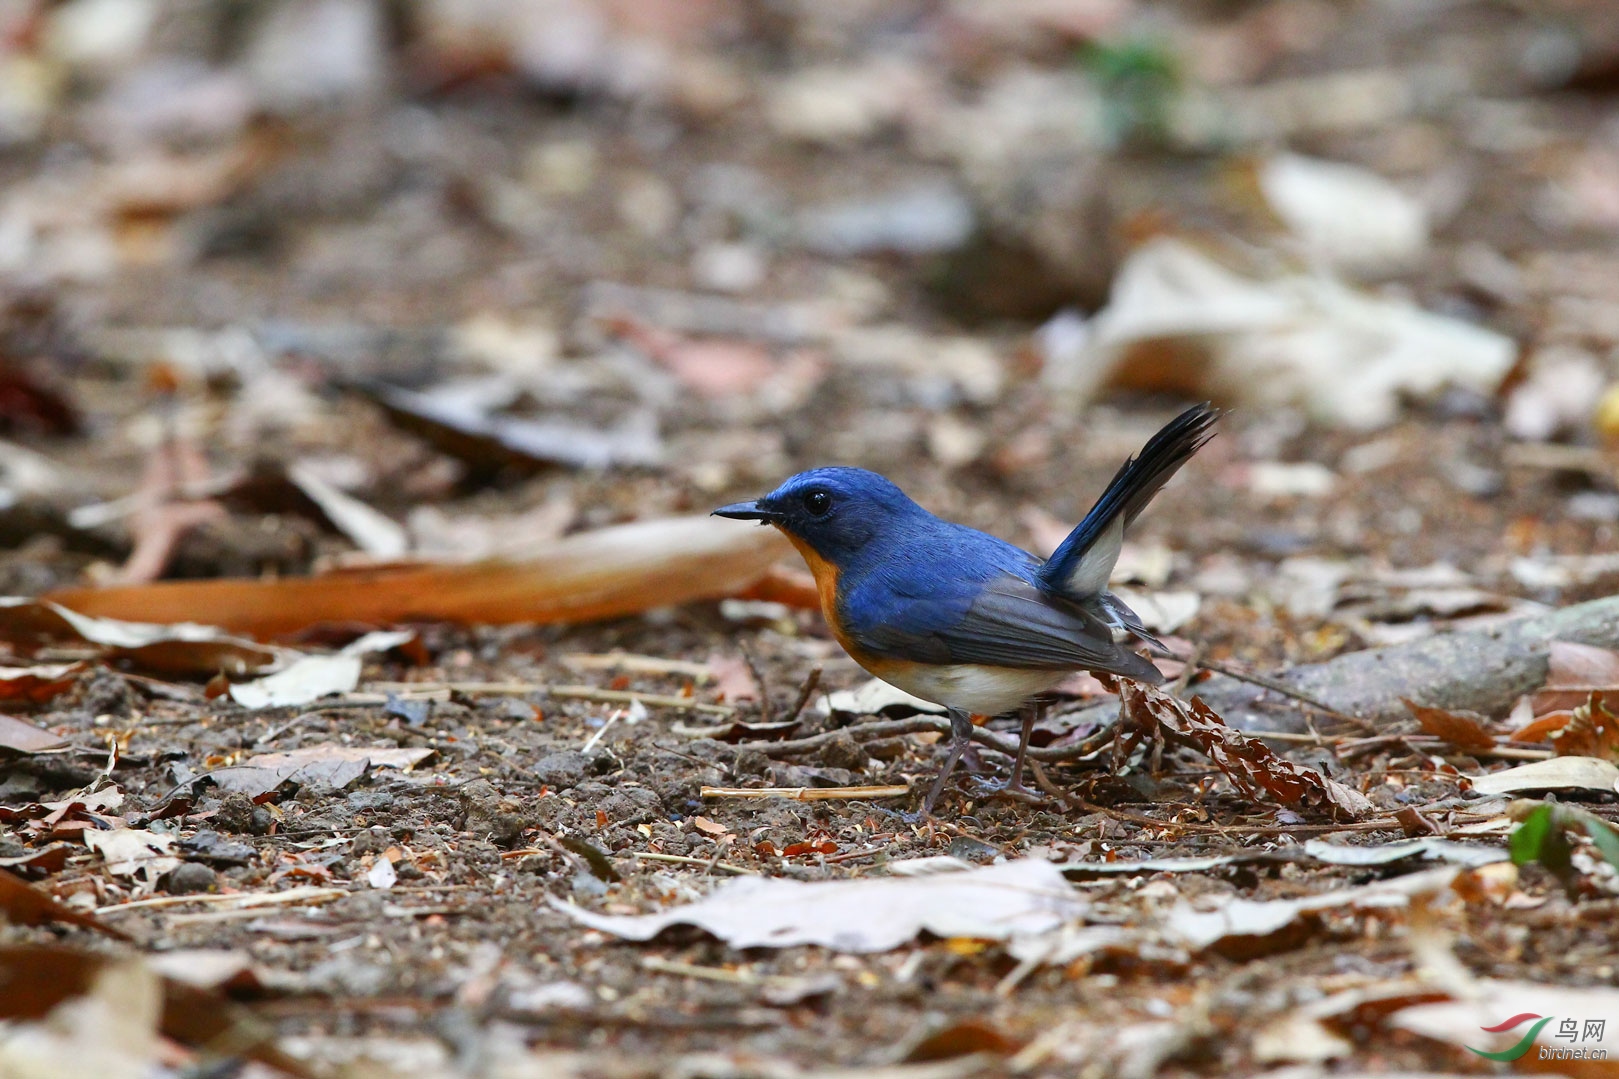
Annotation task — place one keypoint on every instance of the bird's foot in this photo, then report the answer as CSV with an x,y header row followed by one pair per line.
x,y
904,816
1012,788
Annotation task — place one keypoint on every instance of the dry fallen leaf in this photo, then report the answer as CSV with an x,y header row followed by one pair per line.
x,y
1592,730
74,1014
1558,774
1246,927
132,852
1574,672
995,902
313,677
19,737
108,1029
708,827
182,647
733,678
22,904
1464,730
490,442
875,698
591,575
1250,764
373,532
38,684
334,765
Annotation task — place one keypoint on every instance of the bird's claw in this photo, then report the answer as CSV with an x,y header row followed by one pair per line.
x,y
1012,788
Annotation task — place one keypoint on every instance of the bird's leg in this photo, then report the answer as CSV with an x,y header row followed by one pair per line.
x,y
1014,787
1031,712
961,733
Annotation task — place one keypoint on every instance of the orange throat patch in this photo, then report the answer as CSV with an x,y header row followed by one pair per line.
x,y
826,585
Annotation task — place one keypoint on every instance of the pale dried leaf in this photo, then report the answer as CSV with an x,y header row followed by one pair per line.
x,y
177,648
372,532
1243,923
733,678
132,852
307,679
382,874
1558,774
313,677
876,697
994,902
1573,672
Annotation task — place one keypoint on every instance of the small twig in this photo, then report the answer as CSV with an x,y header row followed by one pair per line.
x,y
681,859
629,661
863,731
759,679
808,794
853,855
716,974
612,717
1285,690
242,901
1310,739
805,692
522,689
1192,663
277,732
651,700
891,728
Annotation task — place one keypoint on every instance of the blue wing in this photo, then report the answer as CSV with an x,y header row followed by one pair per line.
x,y
986,610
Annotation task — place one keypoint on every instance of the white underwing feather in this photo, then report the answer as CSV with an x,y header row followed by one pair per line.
x,y
1095,566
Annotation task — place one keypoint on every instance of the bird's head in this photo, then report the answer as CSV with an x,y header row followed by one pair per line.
x,y
834,511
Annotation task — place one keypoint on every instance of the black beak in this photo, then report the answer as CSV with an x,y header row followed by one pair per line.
x,y
746,511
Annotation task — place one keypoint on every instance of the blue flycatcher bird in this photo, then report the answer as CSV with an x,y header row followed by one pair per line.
x,y
958,617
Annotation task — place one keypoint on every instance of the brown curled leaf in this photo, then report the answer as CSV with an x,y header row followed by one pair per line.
x,y
1253,768
1464,730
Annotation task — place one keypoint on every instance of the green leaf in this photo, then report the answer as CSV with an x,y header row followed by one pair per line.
x,y
1604,838
1529,838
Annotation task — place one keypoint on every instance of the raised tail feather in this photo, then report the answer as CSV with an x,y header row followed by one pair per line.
x,y
1081,566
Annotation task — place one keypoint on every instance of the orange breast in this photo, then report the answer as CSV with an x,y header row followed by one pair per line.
x,y
826,584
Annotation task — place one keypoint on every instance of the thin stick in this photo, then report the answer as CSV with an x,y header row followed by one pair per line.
x,y
581,693
626,696
805,692
808,794
681,859
891,728
759,679
853,855
1285,690
716,974
612,717
241,900
630,661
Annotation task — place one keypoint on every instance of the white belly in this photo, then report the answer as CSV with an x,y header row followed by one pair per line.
x,y
990,691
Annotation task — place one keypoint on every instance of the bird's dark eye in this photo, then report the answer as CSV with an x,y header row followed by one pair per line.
x,y
819,503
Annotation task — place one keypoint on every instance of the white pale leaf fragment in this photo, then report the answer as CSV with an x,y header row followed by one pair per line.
x,y
1025,897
